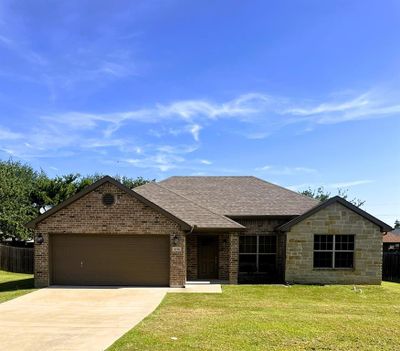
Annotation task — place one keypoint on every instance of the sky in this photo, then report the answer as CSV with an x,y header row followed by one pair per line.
x,y
299,93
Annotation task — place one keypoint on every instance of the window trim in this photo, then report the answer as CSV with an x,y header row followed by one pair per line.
x,y
333,251
258,253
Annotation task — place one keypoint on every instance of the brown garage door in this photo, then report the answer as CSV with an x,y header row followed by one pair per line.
x,y
141,260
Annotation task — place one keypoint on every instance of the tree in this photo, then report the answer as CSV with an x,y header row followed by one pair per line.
x,y
17,188
396,224
322,195
127,181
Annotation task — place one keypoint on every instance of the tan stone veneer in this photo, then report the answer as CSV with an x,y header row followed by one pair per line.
x,y
128,216
334,219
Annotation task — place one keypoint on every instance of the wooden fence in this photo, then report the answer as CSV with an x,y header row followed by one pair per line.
x,y
391,266
16,259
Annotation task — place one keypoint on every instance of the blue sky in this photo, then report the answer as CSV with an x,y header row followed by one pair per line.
x,y
300,93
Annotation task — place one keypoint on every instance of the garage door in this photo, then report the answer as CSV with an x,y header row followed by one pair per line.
x,y
141,260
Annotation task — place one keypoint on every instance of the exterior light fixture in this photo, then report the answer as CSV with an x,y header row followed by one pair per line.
x,y
175,240
39,239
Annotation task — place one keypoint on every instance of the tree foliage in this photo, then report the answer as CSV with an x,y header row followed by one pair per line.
x,y
25,193
321,194
396,224
17,188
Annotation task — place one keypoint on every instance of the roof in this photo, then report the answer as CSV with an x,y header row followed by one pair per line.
x,y
32,224
239,196
186,210
336,199
391,237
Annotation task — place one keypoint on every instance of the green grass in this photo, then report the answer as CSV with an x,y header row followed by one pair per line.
x,y
273,318
14,284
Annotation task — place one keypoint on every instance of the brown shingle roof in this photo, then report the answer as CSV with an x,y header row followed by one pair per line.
x,y
391,237
184,209
240,196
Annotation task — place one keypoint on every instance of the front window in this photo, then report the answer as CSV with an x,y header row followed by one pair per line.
x,y
333,251
257,253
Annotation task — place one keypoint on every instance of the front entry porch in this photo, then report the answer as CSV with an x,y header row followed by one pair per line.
x,y
234,258
212,257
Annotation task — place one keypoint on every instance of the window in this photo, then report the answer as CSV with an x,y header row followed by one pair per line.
x,y
257,253
333,251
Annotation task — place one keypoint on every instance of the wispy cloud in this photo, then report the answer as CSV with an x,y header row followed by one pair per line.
x,y
22,51
255,110
6,134
73,132
350,183
333,185
279,170
206,162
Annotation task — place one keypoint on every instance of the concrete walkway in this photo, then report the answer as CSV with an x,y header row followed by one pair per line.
x,y
84,319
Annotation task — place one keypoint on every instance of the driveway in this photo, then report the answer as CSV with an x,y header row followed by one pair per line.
x,y
74,318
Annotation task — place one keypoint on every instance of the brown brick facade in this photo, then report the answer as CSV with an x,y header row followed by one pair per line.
x,y
334,219
127,216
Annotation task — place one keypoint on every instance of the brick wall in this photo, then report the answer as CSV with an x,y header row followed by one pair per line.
x,y
223,259
191,254
335,219
127,216
233,258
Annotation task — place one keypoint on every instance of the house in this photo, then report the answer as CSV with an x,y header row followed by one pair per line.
x,y
391,241
233,229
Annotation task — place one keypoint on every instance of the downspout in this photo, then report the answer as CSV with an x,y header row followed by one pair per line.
x,y
194,226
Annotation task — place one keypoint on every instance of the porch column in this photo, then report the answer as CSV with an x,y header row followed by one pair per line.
x,y
233,258
177,272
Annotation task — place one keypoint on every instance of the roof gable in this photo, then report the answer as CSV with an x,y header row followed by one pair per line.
x,y
336,199
198,217
32,224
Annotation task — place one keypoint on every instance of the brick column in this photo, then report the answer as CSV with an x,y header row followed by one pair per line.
x,y
191,256
233,258
177,275
41,262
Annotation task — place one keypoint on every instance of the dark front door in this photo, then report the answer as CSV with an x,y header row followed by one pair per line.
x,y
208,257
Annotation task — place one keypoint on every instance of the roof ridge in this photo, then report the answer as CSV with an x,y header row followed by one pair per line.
x,y
191,201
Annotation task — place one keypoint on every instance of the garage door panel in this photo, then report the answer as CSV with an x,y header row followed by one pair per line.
x,y
110,260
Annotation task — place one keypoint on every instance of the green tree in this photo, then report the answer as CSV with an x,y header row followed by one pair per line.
x,y
396,224
322,195
17,188
127,181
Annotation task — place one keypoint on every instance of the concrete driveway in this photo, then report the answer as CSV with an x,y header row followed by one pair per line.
x,y
74,318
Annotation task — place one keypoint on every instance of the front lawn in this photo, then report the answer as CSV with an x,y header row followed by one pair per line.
x,y
14,284
273,318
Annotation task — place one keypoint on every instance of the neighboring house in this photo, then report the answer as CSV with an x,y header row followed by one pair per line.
x,y
391,241
233,229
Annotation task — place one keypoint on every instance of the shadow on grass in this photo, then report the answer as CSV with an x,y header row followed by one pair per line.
x,y
16,285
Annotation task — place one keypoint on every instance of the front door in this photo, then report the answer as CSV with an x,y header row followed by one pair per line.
x,y
208,257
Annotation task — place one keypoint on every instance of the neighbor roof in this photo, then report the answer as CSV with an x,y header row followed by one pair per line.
x,y
186,210
239,196
391,237
336,199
